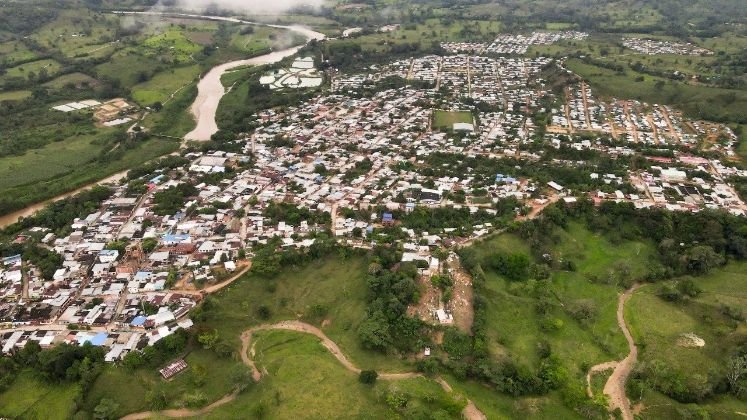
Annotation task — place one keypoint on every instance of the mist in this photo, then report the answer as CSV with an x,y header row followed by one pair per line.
x,y
247,6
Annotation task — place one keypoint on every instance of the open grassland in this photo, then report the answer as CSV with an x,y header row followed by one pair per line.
x,y
500,406
330,289
175,119
32,69
447,119
260,39
75,33
164,84
85,172
50,161
173,42
14,95
658,326
76,79
31,398
515,327
15,51
305,381
208,375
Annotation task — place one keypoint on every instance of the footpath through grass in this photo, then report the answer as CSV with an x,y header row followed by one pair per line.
x,y
329,293
658,327
305,381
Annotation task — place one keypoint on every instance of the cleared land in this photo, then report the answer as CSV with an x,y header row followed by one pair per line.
x,y
447,119
658,327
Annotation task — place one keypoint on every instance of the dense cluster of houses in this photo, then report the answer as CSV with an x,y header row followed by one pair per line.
x,y
657,47
508,44
133,269
637,122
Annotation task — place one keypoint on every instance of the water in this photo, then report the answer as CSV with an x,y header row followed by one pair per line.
x,y
209,93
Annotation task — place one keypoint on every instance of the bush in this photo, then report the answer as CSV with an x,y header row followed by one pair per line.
x,y
368,377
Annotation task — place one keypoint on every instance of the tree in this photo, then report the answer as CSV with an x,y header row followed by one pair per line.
x,y
263,312
368,377
701,259
736,368
105,409
208,339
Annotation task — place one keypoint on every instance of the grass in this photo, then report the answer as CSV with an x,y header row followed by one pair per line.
x,y
499,406
32,398
75,32
696,101
656,326
66,178
447,119
15,51
14,95
76,79
128,388
164,84
26,70
174,42
48,162
433,30
514,326
338,286
175,119
305,381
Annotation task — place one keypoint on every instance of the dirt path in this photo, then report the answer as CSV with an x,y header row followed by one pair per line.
x,y
615,386
470,412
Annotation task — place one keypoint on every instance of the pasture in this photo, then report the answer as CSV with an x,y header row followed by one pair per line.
x,y
330,290
445,120
658,327
297,363
31,398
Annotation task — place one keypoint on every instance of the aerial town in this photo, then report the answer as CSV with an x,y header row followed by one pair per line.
x,y
363,161
408,209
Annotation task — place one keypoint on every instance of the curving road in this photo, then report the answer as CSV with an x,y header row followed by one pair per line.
x,y
470,412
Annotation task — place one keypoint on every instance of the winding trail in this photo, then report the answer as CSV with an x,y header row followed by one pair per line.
x,y
470,411
615,386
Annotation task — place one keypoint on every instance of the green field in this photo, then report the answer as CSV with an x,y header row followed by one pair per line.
x,y
430,31
68,165
164,84
336,286
207,374
446,119
700,102
32,70
657,326
77,32
14,52
77,79
514,326
173,42
31,398
14,95
305,381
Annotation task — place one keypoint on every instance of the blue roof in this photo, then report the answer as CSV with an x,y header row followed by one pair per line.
x,y
157,179
99,339
96,340
138,321
108,252
388,217
142,275
176,238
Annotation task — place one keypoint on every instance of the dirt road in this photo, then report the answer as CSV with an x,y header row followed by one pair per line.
x,y
470,412
615,386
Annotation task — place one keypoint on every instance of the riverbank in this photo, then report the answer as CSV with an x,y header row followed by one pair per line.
x,y
204,107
